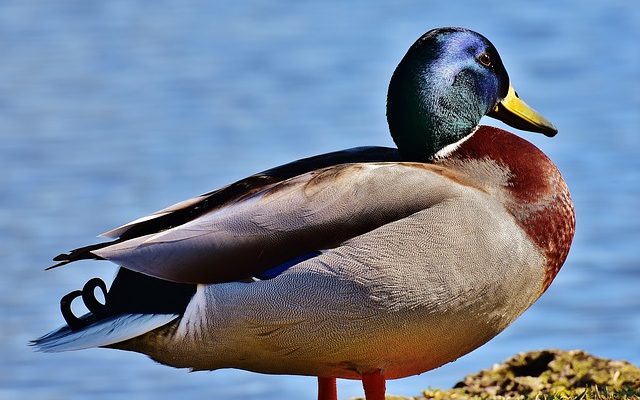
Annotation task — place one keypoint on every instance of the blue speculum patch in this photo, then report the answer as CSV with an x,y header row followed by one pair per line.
x,y
278,269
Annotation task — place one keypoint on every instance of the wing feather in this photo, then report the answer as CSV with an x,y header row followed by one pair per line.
x,y
191,209
313,211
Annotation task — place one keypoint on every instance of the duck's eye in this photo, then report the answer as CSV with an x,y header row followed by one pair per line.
x,y
485,59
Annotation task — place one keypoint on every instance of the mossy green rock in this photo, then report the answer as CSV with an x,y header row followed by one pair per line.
x,y
547,374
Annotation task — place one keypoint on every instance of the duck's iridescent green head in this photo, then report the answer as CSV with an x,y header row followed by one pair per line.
x,y
445,83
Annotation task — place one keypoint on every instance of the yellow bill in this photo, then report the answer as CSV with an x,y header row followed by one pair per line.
x,y
516,113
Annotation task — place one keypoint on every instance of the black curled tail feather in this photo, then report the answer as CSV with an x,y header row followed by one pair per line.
x,y
96,309
135,304
131,293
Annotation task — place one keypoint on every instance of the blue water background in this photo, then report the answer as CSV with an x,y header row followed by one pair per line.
x,y
110,110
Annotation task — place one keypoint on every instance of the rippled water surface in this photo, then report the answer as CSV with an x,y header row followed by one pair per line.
x,y
110,110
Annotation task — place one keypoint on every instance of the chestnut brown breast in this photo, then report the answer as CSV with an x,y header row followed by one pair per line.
x,y
534,191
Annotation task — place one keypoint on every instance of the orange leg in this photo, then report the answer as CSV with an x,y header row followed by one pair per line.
x,y
374,385
327,389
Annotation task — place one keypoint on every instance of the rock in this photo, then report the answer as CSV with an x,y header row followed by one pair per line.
x,y
552,372
546,374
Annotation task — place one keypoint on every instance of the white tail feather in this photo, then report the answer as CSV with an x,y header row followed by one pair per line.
x,y
117,328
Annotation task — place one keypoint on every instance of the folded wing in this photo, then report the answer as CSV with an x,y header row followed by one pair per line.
x,y
191,209
314,211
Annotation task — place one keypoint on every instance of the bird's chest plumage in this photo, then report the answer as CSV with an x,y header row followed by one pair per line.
x,y
529,186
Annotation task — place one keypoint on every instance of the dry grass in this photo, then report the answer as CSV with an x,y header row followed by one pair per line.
x,y
546,375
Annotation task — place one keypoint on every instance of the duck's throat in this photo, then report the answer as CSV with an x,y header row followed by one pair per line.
x,y
425,121
450,148
429,138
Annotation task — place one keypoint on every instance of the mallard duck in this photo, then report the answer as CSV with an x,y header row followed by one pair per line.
x,y
371,263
